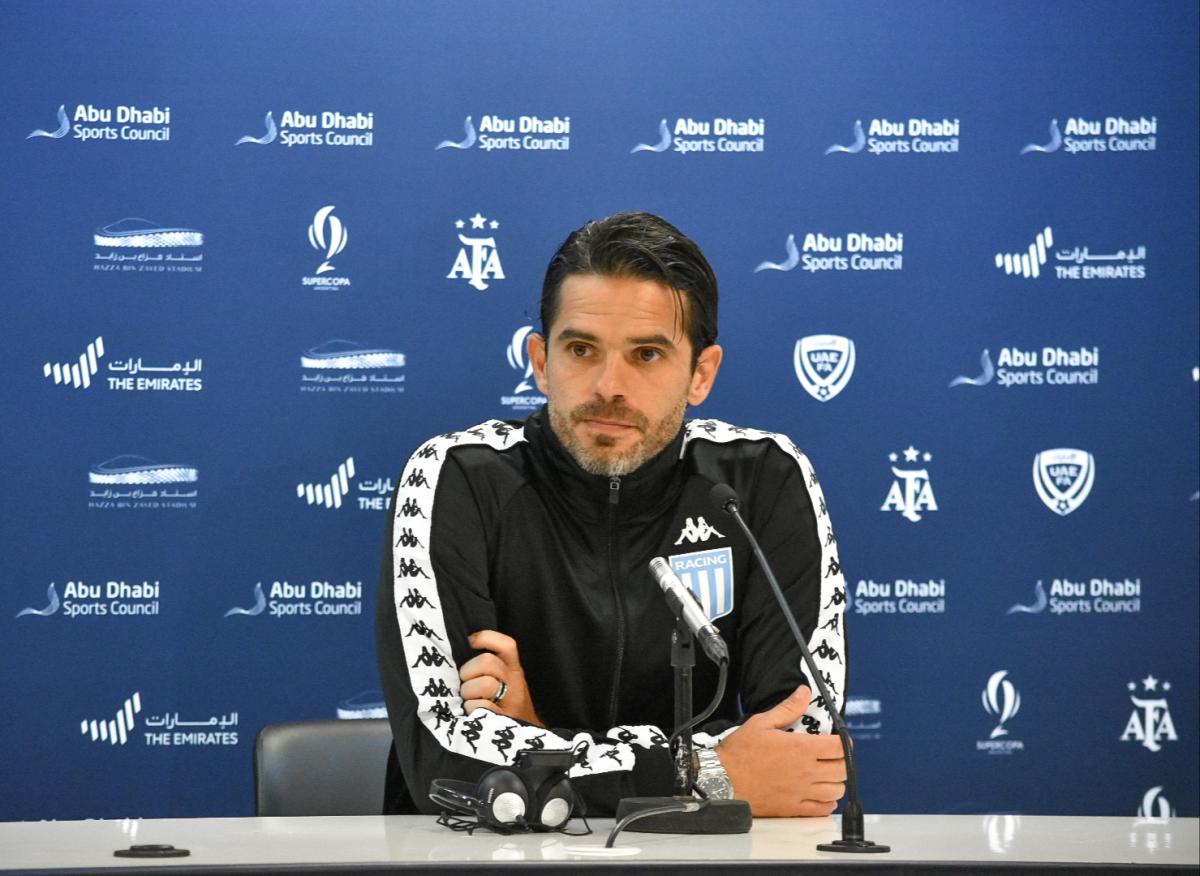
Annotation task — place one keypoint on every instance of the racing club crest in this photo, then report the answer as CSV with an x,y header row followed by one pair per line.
x,y
824,364
1063,478
709,575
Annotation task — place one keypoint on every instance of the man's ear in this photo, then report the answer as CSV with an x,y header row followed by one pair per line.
x,y
535,349
705,373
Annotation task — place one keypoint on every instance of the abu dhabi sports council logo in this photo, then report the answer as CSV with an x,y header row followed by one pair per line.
x,y
686,135
824,364
1063,478
122,122
901,137
1050,366
80,373
331,493
513,133
117,729
129,481
1155,806
1072,263
312,599
322,128
1002,700
709,575
346,366
912,491
110,599
367,704
1111,134
140,245
525,396
161,730
900,596
856,251
478,259
1150,721
1082,596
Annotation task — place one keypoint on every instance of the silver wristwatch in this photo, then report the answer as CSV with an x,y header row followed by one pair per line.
x,y
711,777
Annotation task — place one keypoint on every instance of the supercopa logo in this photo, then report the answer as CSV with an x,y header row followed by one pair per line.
x,y
1109,134
1063,478
328,235
525,396
1002,700
321,128
89,122
901,137
824,364
856,251
513,133
478,259
685,134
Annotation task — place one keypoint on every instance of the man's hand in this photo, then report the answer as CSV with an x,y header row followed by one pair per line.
x,y
781,773
482,676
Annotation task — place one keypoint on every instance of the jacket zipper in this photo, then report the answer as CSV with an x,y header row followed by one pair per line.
x,y
614,497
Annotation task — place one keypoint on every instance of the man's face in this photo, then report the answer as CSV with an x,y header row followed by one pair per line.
x,y
617,370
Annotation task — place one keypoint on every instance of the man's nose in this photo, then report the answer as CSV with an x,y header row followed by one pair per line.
x,y
611,377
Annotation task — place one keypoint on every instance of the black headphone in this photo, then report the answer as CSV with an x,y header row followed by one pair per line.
x,y
533,794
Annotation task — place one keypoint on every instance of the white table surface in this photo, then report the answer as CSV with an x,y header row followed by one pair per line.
x,y
380,840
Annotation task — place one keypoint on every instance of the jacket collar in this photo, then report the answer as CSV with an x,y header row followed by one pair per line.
x,y
643,492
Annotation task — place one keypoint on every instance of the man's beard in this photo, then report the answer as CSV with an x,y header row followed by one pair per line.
x,y
596,454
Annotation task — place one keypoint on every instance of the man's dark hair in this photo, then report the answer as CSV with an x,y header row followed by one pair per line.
x,y
646,247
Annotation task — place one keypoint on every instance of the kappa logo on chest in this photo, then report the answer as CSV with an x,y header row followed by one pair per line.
x,y
696,530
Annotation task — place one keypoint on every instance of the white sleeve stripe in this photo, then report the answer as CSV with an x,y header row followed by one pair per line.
x,y
483,735
827,642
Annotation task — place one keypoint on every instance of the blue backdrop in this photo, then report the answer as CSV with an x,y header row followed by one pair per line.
x,y
260,251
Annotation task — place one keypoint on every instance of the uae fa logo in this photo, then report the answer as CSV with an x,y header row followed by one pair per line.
x,y
1063,478
911,492
478,260
824,364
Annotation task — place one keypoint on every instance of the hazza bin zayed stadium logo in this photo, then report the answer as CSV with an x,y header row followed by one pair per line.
x,y
824,364
1063,478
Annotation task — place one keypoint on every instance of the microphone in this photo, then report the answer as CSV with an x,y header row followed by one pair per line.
x,y
724,498
689,610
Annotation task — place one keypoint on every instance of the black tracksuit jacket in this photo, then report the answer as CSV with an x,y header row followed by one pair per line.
x,y
497,527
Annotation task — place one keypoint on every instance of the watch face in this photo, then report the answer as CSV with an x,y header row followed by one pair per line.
x,y
715,787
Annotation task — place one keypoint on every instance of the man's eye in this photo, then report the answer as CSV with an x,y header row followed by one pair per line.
x,y
577,349
648,354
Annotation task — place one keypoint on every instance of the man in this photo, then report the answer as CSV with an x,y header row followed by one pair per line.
x,y
516,607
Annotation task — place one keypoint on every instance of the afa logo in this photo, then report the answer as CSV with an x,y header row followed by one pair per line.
x,y
1063,478
911,492
824,364
478,259
1150,721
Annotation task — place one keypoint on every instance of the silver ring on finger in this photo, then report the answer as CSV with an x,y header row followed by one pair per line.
x,y
501,693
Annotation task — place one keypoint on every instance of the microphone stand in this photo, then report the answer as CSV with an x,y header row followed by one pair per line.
x,y
852,816
683,813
